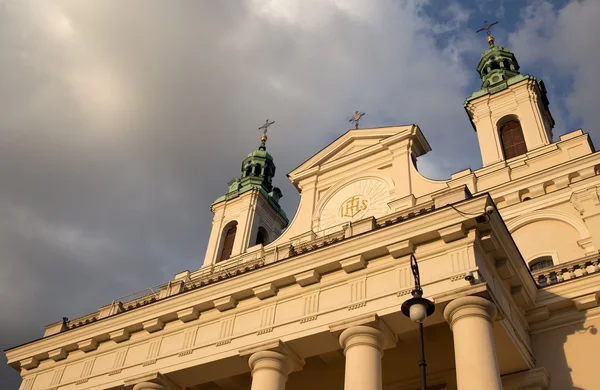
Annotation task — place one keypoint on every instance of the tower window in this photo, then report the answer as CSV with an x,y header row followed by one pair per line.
x,y
541,263
261,236
248,170
228,242
257,169
513,142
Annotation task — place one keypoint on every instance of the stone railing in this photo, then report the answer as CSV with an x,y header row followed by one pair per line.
x,y
318,242
214,273
567,271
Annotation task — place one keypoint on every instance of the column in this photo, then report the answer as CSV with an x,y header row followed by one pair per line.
x,y
470,319
270,370
363,348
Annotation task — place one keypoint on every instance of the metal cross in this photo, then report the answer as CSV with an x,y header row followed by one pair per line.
x,y
266,126
356,118
487,27
263,137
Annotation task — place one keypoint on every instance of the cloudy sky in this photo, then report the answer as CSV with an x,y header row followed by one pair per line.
x,y
122,120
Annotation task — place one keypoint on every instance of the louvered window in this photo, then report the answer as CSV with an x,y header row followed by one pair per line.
x,y
228,243
512,138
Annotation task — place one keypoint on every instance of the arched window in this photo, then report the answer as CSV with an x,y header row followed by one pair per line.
x,y
228,242
248,170
541,263
257,169
513,142
262,236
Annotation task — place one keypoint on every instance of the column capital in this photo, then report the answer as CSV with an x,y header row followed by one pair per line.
x,y
273,354
148,386
271,360
469,307
152,381
362,335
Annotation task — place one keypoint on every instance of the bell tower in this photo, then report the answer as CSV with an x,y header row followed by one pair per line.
x,y
249,214
510,112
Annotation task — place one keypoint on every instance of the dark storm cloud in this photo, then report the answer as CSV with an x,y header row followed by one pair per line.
x,y
121,121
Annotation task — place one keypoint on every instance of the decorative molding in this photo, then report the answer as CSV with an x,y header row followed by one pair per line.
x,y
541,215
29,363
264,331
187,315
87,345
403,293
225,303
189,339
119,336
354,263
57,354
358,293
28,383
57,377
88,365
265,291
357,305
307,278
153,351
153,325
400,249
453,233
226,331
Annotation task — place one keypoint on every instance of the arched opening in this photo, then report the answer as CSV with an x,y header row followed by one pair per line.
x,y
230,231
262,236
540,263
513,141
257,169
248,170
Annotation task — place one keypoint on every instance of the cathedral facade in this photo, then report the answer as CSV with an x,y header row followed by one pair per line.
x,y
508,254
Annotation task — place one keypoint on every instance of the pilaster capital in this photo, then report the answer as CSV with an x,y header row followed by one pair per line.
x,y
471,306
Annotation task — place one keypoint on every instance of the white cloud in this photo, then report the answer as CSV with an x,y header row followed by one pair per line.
x,y
564,43
181,89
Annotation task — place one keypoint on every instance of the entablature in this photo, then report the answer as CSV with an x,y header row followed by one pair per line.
x,y
444,239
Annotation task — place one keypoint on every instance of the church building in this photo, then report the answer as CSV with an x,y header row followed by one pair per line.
x,y
507,254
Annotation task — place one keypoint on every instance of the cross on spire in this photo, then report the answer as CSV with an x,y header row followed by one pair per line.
x,y
263,137
487,27
356,117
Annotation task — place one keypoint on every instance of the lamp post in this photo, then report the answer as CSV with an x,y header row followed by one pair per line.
x,y
418,309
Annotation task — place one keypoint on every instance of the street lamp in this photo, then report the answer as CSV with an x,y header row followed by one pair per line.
x,y
418,309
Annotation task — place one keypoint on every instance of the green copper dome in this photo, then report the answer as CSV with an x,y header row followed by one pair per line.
x,y
258,170
497,64
498,68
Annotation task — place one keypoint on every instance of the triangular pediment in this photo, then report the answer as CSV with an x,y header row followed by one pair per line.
x,y
350,143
